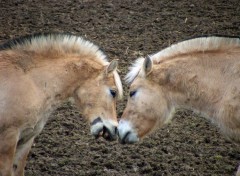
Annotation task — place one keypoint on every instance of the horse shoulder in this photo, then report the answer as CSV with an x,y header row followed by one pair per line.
x,y
20,100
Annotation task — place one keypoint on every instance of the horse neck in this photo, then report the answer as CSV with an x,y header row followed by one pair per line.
x,y
191,83
58,78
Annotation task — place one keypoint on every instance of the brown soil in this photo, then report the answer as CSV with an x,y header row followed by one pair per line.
x,y
126,30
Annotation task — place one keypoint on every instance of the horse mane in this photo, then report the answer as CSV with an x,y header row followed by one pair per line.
x,y
190,46
61,43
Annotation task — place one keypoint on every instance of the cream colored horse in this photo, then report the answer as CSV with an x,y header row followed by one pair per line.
x,y
37,73
202,74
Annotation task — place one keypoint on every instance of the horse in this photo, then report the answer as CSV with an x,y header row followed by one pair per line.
x,y
201,74
37,74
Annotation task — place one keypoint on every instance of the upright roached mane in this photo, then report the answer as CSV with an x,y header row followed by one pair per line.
x,y
195,45
61,44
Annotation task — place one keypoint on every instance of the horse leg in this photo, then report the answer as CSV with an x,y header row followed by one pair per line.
x,y
8,143
21,157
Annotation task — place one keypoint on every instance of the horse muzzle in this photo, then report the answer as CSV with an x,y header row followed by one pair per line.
x,y
126,133
103,128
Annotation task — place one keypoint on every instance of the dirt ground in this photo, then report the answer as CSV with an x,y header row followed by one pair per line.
x,y
125,30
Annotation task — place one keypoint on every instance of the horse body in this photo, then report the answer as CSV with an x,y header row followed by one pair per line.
x,y
37,76
201,74
209,85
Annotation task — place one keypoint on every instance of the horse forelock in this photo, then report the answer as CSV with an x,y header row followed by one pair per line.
x,y
118,83
58,43
134,70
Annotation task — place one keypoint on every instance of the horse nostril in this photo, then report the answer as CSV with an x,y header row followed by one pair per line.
x,y
97,127
124,139
95,121
104,130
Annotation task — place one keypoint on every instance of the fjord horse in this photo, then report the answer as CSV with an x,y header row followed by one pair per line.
x,y
201,74
38,73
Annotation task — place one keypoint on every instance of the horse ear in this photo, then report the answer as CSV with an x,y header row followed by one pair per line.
x,y
112,66
147,65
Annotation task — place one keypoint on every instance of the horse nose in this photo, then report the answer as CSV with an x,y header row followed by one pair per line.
x,y
96,127
104,129
128,137
126,133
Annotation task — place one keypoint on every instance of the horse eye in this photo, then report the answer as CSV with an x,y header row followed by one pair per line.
x,y
113,93
132,93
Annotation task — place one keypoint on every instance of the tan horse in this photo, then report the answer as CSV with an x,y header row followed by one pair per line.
x,y
202,74
37,73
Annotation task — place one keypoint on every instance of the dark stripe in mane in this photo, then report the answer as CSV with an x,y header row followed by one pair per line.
x,y
197,44
52,45
28,38
50,36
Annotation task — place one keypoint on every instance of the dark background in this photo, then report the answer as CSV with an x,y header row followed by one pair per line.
x,y
125,30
